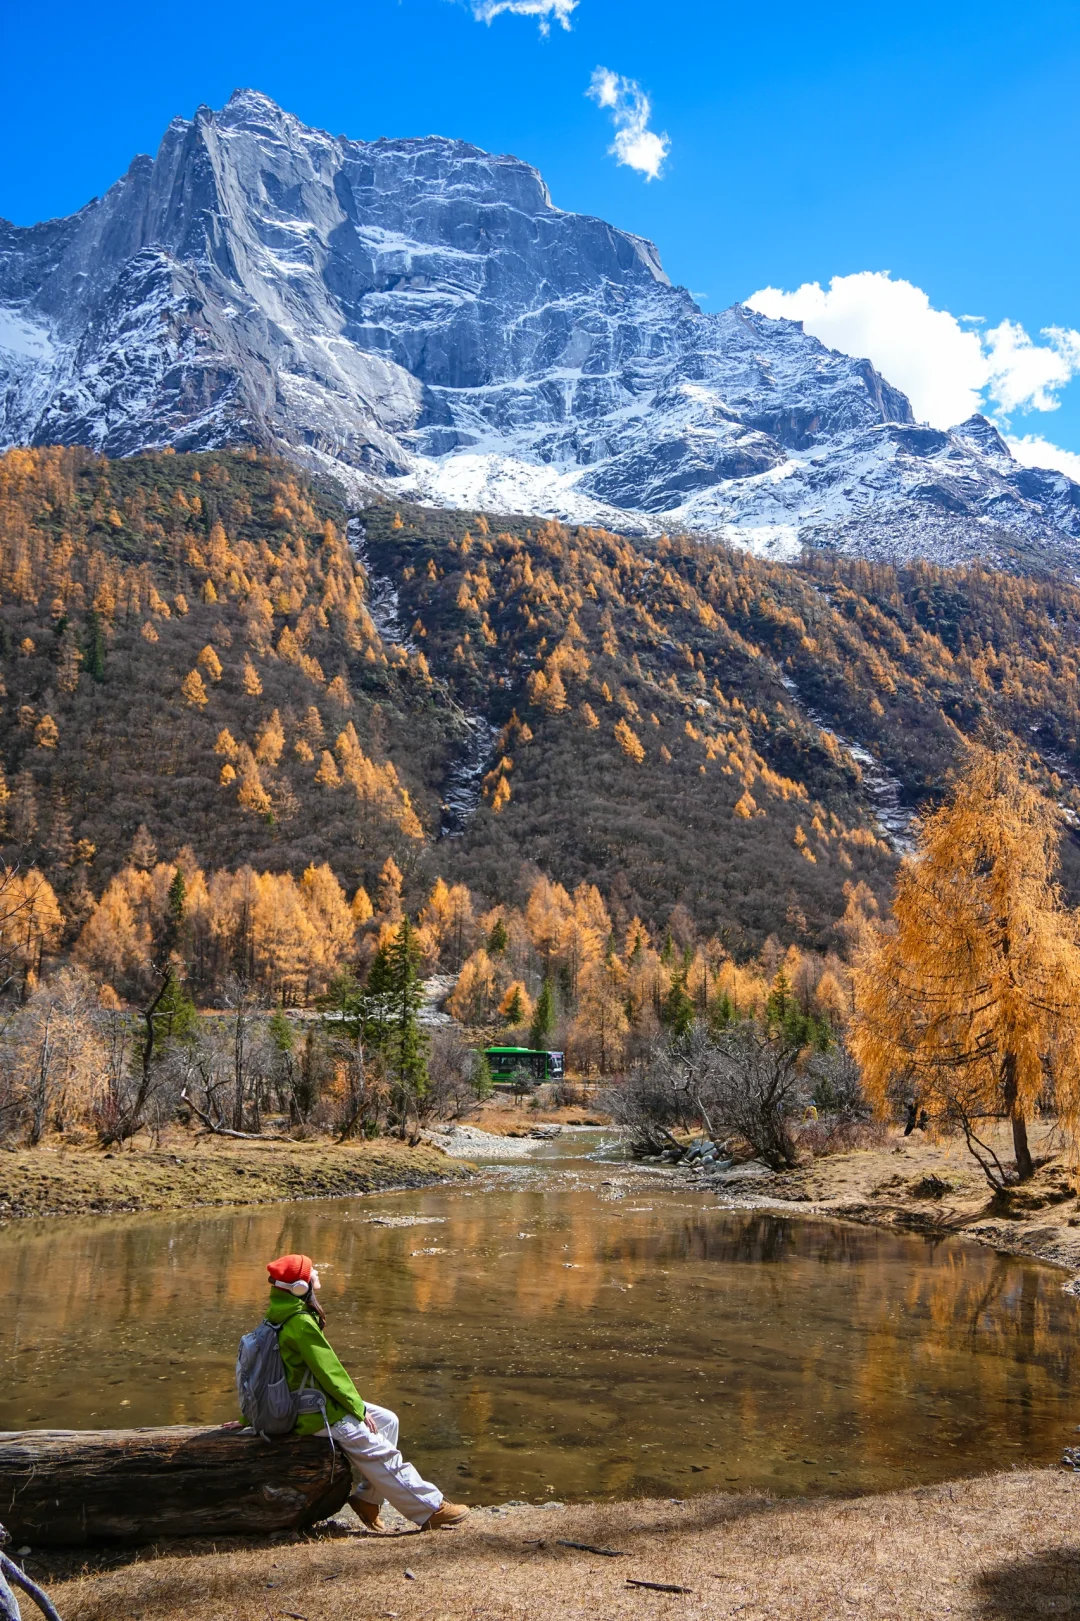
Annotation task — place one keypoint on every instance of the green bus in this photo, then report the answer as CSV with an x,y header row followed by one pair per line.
x,y
534,1065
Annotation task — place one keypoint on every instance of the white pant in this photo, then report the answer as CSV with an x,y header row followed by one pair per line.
x,y
378,1469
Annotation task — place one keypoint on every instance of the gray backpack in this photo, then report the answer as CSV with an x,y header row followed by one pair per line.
x,y
262,1389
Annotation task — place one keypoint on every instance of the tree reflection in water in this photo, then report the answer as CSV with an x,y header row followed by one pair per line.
x,y
540,1337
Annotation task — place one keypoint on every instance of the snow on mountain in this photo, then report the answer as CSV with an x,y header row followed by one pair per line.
x,y
416,317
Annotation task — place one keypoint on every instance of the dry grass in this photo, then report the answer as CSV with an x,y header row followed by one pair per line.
x,y
186,1172
507,1117
1004,1548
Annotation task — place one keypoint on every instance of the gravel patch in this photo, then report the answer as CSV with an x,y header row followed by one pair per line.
x,y
469,1142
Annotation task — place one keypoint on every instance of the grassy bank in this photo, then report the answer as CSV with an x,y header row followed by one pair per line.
x,y
507,1117
1004,1548
934,1187
187,1172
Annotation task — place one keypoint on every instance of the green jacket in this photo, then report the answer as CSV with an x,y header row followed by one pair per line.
x,y
304,1347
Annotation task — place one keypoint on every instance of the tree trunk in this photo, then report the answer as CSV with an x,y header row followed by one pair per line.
x,y
62,1487
238,1075
1025,1166
41,1095
127,1122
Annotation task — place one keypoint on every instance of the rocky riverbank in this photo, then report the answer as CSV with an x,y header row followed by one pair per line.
x,y
1003,1548
921,1186
186,1172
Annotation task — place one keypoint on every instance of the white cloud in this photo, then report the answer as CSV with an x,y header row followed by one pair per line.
x,y
547,11
635,143
1026,376
926,352
1036,452
947,370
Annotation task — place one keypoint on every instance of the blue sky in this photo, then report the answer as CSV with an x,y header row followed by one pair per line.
x,y
937,143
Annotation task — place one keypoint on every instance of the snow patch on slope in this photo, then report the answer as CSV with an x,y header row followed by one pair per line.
x,y
496,483
24,338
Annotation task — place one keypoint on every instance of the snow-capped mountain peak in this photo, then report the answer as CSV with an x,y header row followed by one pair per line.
x,y
418,317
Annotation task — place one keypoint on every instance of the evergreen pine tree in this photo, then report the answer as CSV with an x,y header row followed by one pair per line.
x,y
177,896
514,1010
786,1019
722,1012
677,1008
175,1019
174,917
394,997
281,1031
94,645
483,1081
543,1019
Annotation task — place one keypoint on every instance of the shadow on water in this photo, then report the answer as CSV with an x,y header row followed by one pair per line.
x,y
570,1332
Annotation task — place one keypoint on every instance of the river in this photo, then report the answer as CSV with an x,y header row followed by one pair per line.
x,y
568,1329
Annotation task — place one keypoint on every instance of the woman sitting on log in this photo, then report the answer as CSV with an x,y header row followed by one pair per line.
x,y
366,1434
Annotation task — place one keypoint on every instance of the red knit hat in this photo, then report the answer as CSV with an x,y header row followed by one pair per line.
x,y
291,1272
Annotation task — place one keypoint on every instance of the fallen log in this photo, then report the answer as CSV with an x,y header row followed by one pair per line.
x,y
212,1128
66,1487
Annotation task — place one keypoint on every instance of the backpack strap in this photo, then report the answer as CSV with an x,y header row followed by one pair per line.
x,y
308,1386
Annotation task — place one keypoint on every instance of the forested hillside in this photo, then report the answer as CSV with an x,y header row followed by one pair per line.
x,y
192,674
669,711
186,647
646,743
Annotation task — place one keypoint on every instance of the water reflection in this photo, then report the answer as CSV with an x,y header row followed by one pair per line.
x,y
543,1336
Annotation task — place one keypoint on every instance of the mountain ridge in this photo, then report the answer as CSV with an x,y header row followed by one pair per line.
x,y
415,317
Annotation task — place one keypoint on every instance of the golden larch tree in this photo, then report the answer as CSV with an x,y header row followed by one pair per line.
x,y
270,741
252,795
334,923
209,663
971,1001
598,1033
31,922
194,691
476,989
629,742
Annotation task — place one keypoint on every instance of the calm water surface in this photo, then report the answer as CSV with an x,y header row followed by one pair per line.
x,y
545,1334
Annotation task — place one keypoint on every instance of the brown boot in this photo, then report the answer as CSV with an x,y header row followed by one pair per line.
x,y
446,1514
368,1513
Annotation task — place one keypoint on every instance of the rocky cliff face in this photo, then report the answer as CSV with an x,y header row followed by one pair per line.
x,y
417,317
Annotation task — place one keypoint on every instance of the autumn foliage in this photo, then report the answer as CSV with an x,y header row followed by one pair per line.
x,y
185,643
215,765
614,991
647,744
969,1002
